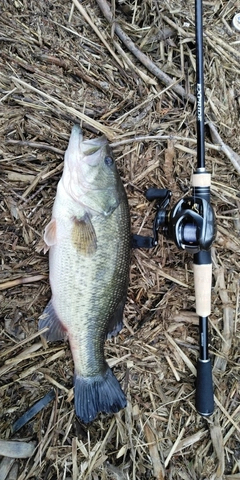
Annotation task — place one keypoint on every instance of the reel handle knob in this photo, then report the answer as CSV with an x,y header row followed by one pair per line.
x,y
156,194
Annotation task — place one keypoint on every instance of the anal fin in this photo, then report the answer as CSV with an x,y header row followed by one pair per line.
x,y
50,319
115,324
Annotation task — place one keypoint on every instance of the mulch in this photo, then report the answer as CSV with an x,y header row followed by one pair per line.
x,y
127,70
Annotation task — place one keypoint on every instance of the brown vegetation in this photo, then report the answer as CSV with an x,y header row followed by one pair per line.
x,y
62,62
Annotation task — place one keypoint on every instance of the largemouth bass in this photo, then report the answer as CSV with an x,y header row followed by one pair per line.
x,y
88,239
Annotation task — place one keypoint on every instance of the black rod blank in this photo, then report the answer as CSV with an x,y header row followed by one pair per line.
x,y
199,84
204,384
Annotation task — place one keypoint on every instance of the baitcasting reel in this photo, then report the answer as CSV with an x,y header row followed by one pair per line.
x,y
190,224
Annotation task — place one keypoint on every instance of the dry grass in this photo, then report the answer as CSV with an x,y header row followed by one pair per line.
x,y
60,65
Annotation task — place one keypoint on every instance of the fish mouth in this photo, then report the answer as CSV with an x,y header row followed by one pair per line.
x,y
87,148
92,151
82,164
76,138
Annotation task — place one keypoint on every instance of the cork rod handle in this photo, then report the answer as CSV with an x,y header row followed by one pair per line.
x,y
203,285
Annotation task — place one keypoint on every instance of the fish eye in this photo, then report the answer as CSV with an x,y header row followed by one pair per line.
x,y
108,161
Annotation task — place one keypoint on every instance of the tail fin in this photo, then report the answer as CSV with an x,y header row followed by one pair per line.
x,y
101,393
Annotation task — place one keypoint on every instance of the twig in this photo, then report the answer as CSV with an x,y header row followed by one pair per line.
x,y
149,138
73,71
42,146
145,78
228,318
233,156
105,130
21,281
20,344
218,446
224,45
32,411
175,26
6,467
16,449
175,445
225,412
144,59
158,469
88,19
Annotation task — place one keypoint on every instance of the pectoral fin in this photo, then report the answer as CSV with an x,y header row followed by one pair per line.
x,y
84,236
50,234
50,319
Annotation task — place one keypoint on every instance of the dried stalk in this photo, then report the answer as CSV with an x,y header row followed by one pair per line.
x,y
233,157
144,59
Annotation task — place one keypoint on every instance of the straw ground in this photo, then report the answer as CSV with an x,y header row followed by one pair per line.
x,y
126,69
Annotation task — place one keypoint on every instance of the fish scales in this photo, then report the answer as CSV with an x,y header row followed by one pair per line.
x,y
92,305
89,242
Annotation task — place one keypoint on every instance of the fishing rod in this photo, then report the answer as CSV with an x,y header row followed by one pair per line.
x,y
191,225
